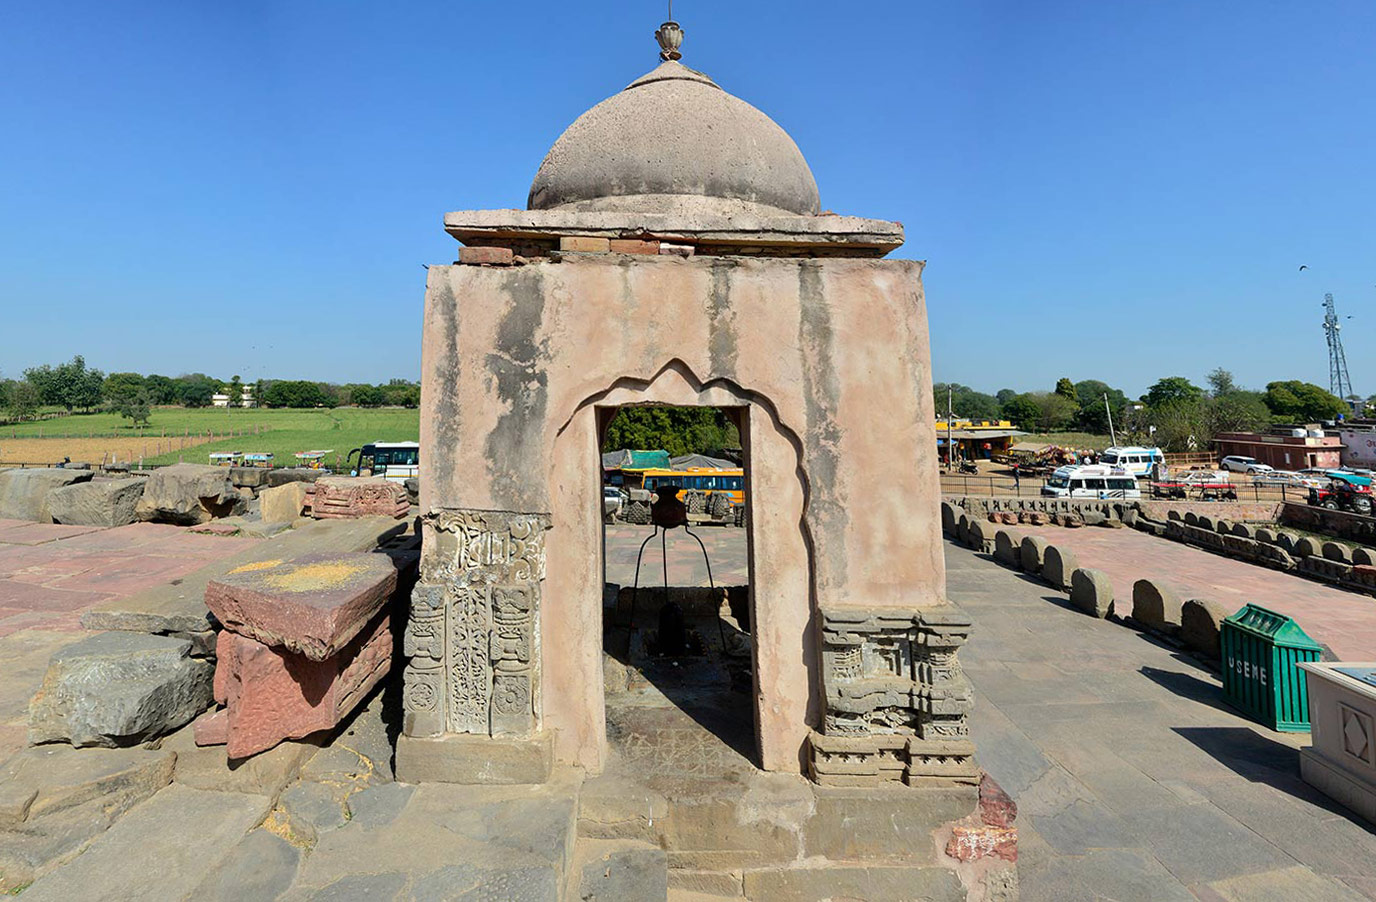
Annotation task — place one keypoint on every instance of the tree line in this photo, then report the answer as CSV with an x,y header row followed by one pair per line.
x,y
76,387
1184,415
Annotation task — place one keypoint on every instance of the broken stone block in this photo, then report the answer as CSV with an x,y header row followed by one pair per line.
x,y
974,843
46,779
119,688
1031,554
249,477
344,497
996,807
101,502
274,694
1008,547
1091,592
1057,565
284,503
188,495
24,494
288,475
1156,605
312,605
615,871
1199,625
211,728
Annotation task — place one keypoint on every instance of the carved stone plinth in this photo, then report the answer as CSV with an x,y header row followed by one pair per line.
x,y
896,700
472,638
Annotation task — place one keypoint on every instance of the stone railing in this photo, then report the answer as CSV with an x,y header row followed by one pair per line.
x,y
1344,525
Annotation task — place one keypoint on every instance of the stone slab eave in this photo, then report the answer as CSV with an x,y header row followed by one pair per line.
x,y
475,226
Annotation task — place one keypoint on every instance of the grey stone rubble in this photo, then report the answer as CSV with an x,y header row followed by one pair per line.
x,y
100,502
119,688
24,494
189,494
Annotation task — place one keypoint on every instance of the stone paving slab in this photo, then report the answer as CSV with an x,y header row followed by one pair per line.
x,y
161,849
726,550
442,841
41,533
1344,621
1134,779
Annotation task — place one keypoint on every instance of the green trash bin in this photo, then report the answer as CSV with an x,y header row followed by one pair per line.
x,y
1261,649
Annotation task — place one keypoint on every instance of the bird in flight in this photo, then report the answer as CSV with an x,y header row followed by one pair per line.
x,y
1303,268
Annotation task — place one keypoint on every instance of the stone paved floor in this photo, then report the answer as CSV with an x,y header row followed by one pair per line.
x,y
1135,781
725,550
1344,621
50,574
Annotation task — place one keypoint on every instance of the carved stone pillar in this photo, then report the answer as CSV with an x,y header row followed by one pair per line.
x,y
472,639
896,700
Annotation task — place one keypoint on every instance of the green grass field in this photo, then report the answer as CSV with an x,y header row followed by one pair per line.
x,y
1070,440
281,432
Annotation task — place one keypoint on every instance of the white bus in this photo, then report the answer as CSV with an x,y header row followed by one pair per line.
x,y
1098,481
1135,460
396,461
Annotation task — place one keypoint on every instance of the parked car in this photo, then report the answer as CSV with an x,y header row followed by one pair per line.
x,y
1286,478
612,501
1091,481
1241,464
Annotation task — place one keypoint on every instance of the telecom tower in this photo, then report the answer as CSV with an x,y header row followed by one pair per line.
x,y
1339,383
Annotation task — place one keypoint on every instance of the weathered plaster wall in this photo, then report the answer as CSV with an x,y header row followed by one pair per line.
x,y
830,357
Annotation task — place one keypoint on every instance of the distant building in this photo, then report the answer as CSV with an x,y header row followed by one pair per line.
x,y
1359,442
1284,447
220,399
975,440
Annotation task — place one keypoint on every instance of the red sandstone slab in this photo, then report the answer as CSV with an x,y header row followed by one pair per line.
x,y
272,694
127,574
141,536
51,622
6,523
40,533
29,597
312,605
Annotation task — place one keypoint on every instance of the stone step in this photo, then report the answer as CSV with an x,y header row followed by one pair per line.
x,y
684,895
161,849
715,884
618,870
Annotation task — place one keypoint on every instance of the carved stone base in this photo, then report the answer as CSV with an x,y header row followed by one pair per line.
x,y
867,760
896,700
474,759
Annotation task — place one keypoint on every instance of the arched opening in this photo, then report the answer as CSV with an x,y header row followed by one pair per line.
x,y
678,655
785,691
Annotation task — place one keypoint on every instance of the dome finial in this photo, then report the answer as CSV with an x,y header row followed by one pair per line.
x,y
670,37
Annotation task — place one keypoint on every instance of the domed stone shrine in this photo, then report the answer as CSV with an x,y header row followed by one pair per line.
x,y
673,252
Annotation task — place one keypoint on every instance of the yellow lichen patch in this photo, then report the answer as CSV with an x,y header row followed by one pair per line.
x,y
314,577
256,565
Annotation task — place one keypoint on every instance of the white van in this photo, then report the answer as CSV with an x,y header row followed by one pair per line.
x,y
1098,481
1135,460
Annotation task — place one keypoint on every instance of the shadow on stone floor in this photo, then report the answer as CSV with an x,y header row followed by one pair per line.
x,y
1188,686
1260,759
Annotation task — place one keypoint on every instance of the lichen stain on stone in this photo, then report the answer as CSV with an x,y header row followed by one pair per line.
x,y
721,343
821,394
256,565
448,364
518,367
314,577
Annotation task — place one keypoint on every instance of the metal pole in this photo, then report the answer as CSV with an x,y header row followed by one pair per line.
x,y
1111,434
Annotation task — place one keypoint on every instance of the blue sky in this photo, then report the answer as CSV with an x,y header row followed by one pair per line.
x,y
1101,190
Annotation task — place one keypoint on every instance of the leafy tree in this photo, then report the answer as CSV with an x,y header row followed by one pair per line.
x,y
122,387
1005,395
6,393
137,407
967,403
1237,411
1040,411
1091,415
1177,421
1172,389
24,400
1066,389
678,430
70,385
196,390
297,393
401,393
162,389
236,392
1303,402
1221,382
367,396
